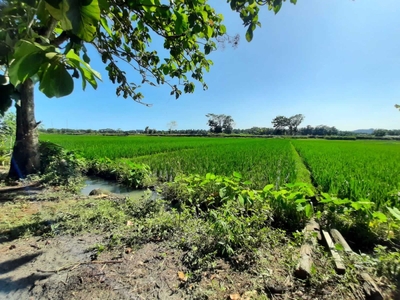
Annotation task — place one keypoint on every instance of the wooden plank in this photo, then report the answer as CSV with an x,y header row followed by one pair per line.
x,y
371,290
339,265
313,226
337,236
303,269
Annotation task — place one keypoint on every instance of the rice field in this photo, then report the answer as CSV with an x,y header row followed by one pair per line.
x,y
349,169
261,161
354,169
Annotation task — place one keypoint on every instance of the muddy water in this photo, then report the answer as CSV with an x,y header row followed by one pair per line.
x,y
92,183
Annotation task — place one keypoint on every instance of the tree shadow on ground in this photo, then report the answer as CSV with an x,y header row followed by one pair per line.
x,y
9,193
34,228
8,285
12,264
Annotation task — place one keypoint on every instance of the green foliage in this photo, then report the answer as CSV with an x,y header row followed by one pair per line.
x,y
118,30
211,191
360,219
388,263
79,17
131,174
61,167
253,173
239,228
7,136
291,204
249,10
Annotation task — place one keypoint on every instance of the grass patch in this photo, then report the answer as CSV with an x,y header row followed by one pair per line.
x,y
302,173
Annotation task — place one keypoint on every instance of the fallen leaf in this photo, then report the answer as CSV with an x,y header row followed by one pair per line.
x,y
234,297
182,276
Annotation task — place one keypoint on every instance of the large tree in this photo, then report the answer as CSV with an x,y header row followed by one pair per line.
x,y
43,41
172,126
280,123
292,123
220,123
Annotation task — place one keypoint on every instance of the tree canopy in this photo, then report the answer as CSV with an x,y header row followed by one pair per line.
x,y
292,123
45,42
45,39
220,123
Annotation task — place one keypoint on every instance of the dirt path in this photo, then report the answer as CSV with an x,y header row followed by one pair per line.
x,y
28,270
21,260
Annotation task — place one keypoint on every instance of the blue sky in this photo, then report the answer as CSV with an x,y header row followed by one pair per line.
x,y
336,62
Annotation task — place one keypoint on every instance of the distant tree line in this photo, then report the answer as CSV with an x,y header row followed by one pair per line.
x,y
320,130
385,132
224,124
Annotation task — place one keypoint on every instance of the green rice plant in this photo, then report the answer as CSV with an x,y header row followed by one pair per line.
x,y
261,161
354,169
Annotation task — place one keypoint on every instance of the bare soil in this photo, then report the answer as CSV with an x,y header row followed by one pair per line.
x,y
62,268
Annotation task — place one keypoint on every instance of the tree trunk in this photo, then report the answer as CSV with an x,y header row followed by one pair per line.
x,y
25,158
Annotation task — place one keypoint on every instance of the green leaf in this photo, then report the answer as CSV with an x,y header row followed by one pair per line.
x,y
74,15
241,200
222,192
394,212
20,68
277,8
86,58
210,32
30,65
293,1
357,205
207,49
181,23
104,23
379,215
222,29
268,187
104,4
339,247
54,3
24,48
308,210
42,13
249,34
237,175
56,81
88,74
